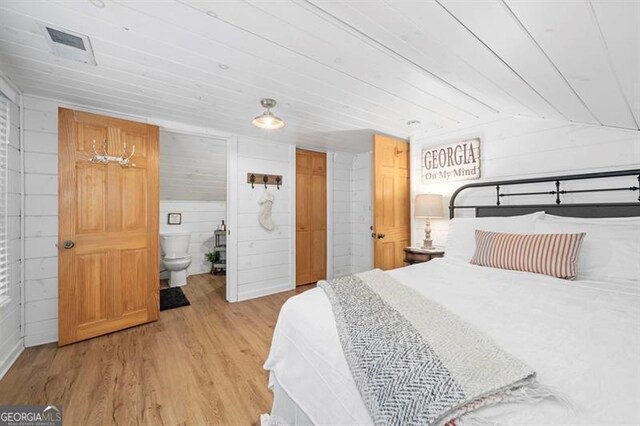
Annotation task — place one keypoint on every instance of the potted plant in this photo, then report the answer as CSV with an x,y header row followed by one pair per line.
x,y
213,257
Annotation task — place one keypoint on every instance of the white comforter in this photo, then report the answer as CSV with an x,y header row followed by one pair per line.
x,y
582,338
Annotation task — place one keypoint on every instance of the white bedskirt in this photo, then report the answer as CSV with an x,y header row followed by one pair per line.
x,y
284,411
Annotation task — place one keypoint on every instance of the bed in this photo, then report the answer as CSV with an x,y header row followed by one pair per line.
x,y
582,337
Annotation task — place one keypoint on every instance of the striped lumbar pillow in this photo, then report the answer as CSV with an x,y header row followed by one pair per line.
x,y
550,254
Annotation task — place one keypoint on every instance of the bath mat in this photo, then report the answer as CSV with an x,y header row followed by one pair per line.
x,y
172,298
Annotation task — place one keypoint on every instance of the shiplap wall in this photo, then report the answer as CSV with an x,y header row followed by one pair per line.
x,y
352,213
200,219
11,342
265,259
192,167
41,220
361,212
515,147
341,214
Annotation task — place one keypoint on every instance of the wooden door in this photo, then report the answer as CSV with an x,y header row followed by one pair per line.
x,y
108,217
311,216
391,207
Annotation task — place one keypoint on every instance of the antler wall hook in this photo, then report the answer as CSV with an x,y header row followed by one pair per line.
x,y
124,160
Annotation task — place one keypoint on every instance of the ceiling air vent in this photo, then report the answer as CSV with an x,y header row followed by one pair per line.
x,y
68,44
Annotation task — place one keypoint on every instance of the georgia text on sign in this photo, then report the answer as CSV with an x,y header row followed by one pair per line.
x,y
452,162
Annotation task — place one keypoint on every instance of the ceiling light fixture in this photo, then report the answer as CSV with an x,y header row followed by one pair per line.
x,y
267,120
98,3
223,66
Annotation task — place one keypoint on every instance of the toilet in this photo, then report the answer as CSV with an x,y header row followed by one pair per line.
x,y
176,257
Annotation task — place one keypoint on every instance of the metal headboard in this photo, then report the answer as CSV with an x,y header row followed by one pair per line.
x,y
616,209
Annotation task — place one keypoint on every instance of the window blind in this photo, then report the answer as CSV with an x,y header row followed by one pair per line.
x,y
4,140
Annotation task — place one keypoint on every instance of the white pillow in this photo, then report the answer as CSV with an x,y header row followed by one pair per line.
x,y
461,239
631,220
610,249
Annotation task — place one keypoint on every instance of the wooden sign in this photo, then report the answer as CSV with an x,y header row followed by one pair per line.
x,y
457,161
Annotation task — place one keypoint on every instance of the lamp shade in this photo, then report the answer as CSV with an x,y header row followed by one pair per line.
x,y
429,205
268,121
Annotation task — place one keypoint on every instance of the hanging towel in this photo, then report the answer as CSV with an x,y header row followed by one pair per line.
x,y
264,217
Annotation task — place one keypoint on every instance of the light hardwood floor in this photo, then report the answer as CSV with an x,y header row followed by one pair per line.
x,y
197,365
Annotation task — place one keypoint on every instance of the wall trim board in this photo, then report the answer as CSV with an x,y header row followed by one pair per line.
x,y
267,291
11,357
231,290
23,226
330,214
41,338
292,217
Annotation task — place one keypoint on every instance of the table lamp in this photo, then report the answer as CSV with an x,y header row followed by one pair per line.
x,y
428,206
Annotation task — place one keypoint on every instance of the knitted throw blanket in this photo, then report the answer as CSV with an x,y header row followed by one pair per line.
x,y
414,362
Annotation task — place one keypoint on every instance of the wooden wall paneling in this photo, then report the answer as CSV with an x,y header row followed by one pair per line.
x,y
117,49
516,148
201,23
494,24
362,212
341,233
438,43
575,46
322,41
422,63
256,245
621,33
192,167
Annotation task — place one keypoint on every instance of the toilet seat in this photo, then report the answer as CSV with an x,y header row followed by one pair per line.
x,y
174,257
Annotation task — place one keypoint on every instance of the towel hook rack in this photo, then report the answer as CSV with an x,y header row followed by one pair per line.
x,y
266,179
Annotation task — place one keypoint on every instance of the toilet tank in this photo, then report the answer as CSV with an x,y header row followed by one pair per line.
x,y
175,244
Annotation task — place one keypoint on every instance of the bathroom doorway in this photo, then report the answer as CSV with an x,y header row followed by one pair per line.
x,y
193,207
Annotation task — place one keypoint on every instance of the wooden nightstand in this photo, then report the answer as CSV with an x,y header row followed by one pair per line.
x,y
417,255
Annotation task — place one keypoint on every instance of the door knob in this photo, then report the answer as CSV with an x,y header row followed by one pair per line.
x,y
68,244
380,236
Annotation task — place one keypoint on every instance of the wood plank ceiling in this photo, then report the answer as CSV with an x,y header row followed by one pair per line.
x,y
192,168
337,69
